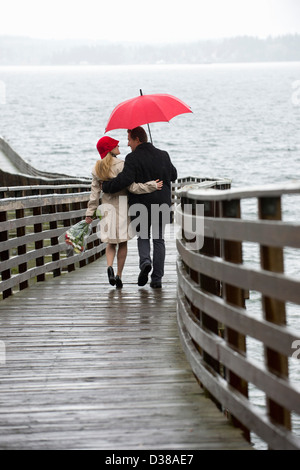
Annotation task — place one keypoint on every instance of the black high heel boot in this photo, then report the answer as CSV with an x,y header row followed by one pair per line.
x,y
111,276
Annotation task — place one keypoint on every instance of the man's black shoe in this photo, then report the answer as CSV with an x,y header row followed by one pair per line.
x,y
155,285
143,276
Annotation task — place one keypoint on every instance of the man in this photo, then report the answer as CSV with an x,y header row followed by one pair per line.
x,y
146,163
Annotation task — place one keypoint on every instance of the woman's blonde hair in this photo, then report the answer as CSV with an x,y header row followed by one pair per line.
x,y
103,167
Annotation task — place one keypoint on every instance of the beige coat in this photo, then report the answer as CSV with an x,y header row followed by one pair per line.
x,y
115,221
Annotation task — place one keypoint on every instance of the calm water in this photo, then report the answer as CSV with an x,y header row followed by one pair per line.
x,y
245,126
244,123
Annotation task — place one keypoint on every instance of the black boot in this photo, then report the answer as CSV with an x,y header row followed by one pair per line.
x,y
111,276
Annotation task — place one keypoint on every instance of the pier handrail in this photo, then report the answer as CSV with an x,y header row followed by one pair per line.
x,y
32,219
30,227
215,327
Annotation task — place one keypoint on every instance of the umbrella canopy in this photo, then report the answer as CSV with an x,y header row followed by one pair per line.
x,y
145,109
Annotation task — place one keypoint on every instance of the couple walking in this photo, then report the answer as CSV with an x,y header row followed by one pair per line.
x,y
145,179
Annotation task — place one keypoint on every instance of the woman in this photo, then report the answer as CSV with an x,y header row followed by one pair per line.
x,y
115,222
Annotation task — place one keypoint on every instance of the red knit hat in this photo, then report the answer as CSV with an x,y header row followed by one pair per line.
x,y
105,145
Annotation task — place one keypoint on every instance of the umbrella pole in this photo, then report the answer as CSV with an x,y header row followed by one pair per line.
x,y
147,124
150,133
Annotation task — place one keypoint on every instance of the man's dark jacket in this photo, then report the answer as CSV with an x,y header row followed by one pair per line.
x,y
144,164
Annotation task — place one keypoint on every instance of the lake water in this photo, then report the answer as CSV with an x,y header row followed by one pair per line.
x,y
245,126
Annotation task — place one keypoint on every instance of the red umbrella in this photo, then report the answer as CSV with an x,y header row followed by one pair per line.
x,y
145,109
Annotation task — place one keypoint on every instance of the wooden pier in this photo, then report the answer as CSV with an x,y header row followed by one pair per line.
x,y
89,366
86,366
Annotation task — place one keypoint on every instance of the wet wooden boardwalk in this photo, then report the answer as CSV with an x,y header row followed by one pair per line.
x,y
91,367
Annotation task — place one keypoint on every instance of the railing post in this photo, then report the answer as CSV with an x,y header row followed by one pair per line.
x,y
54,240
4,255
274,310
77,206
211,247
232,252
21,231
38,228
67,223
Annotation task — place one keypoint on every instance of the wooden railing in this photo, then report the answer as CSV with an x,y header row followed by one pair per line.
x,y
188,182
31,221
12,192
213,287
32,218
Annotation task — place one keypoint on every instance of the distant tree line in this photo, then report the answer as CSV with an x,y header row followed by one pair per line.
x,y
29,51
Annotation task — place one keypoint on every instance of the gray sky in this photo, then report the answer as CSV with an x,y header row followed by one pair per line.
x,y
149,20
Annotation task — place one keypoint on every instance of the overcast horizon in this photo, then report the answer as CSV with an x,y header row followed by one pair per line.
x,y
158,22
135,42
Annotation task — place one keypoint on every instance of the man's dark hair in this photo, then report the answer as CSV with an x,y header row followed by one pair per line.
x,y
138,132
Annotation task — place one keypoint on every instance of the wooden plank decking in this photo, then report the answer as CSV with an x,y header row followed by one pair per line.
x,y
91,367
